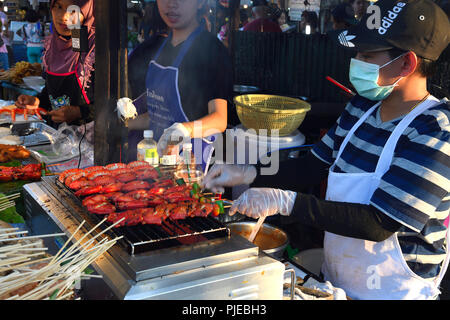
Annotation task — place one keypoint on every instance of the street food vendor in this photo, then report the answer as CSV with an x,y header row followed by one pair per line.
x,y
387,161
183,80
69,75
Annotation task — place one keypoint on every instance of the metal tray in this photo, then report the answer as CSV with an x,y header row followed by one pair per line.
x,y
34,133
6,119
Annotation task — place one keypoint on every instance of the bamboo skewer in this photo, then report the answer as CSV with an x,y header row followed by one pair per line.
x,y
4,207
13,233
56,279
34,237
25,264
10,197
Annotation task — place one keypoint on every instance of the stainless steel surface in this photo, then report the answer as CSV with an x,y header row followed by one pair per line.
x,y
257,277
292,286
229,268
272,240
40,133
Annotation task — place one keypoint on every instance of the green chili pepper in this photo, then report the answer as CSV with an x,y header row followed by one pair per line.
x,y
220,204
159,172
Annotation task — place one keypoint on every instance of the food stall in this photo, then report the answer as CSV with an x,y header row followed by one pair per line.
x,y
192,253
21,78
160,237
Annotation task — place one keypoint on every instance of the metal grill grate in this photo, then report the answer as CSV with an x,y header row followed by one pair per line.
x,y
144,238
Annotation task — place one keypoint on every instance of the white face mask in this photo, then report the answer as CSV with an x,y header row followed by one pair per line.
x,y
364,77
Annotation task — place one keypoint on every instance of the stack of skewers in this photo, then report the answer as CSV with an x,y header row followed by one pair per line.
x,y
8,201
28,272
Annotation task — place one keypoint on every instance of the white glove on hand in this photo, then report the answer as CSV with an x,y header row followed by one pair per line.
x,y
126,109
228,175
176,133
264,202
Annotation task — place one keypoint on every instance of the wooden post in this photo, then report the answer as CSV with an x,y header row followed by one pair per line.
x,y
234,6
110,79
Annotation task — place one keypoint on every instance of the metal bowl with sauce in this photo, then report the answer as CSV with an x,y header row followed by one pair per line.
x,y
269,239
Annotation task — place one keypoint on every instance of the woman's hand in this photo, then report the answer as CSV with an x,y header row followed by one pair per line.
x,y
66,114
29,102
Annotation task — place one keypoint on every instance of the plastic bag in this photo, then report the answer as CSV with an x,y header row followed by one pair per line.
x,y
65,142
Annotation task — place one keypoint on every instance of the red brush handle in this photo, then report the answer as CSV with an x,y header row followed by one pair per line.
x,y
340,85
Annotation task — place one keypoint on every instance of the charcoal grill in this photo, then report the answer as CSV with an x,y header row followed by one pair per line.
x,y
143,238
195,258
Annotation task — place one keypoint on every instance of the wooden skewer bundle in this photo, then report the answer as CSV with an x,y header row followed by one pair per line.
x,y
8,201
30,274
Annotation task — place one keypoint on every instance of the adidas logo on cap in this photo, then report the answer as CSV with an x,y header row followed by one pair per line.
x,y
344,39
388,20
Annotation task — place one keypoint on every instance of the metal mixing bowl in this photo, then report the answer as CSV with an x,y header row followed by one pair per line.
x,y
270,239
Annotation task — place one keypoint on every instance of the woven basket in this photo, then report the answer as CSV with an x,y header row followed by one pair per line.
x,y
261,111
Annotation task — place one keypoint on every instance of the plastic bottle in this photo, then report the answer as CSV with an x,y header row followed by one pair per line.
x,y
187,169
147,149
170,160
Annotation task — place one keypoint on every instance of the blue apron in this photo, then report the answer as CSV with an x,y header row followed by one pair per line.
x,y
164,103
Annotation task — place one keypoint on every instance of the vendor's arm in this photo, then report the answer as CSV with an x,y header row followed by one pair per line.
x,y
346,219
411,196
294,174
66,114
215,122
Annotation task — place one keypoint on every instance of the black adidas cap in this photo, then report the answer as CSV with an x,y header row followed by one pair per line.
x,y
420,26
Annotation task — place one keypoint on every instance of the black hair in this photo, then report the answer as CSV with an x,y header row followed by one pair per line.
x,y
311,19
426,67
32,16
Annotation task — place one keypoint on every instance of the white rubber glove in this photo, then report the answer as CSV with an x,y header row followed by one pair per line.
x,y
228,175
126,109
264,202
176,133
